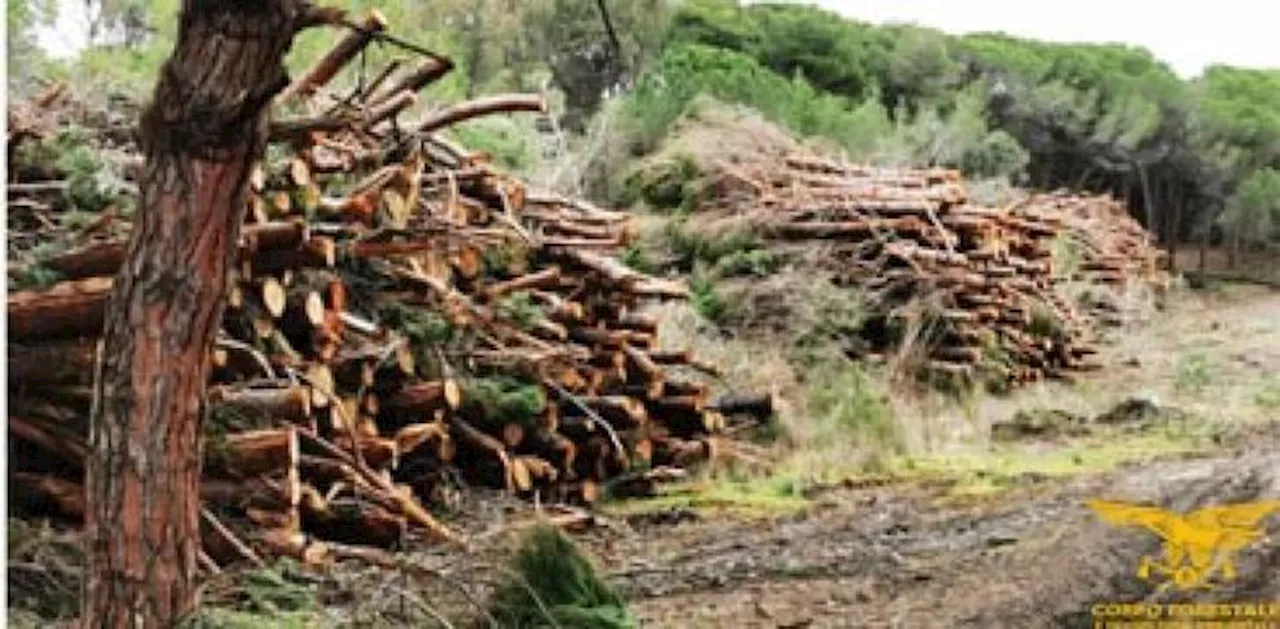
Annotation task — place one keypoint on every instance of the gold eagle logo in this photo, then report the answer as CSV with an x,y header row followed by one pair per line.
x,y
1197,546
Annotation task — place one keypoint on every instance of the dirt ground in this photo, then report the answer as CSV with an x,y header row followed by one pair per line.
x,y
908,554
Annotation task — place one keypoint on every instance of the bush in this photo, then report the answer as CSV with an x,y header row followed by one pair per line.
x,y
665,185
689,247
997,155
553,584
706,300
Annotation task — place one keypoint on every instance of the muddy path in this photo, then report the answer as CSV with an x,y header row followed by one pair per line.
x,y
894,557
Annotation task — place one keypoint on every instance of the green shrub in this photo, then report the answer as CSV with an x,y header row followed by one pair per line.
x,y
826,319
756,262
92,184
1269,396
637,258
664,185
554,585
997,155
706,300
691,247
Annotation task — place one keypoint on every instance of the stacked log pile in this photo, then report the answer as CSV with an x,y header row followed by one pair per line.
x,y
402,314
1102,250
994,310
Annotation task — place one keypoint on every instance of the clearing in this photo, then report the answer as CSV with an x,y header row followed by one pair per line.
x,y
1000,537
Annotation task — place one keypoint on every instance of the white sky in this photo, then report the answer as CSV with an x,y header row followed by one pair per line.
x,y
1186,35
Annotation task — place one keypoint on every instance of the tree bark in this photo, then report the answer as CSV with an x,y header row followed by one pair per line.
x,y
201,134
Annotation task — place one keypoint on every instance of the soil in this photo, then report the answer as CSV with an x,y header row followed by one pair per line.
x,y
892,557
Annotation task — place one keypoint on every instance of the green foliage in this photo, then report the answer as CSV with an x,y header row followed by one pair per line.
x,y
719,23
755,262
825,318
505,397
425,328
996,155
1193,373
637,258
687,70
1241,108
689,246
33,276
664,185
1066,255
45,571
553,584
272,597
509,141
1044,323
1254,209
498,260
70,154
519,308
1268,396
706,300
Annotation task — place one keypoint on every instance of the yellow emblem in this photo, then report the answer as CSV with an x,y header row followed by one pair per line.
x,y
1198,545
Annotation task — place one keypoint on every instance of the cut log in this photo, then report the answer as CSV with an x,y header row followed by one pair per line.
x,y
66,309
264,406
52,363
761,406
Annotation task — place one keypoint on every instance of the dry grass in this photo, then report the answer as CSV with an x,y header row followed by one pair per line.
x,y
1214,355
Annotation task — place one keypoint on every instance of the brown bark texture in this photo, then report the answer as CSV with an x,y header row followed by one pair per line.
x,y
201,134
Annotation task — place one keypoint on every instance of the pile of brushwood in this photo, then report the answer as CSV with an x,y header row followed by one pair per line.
x,y
404,319
959,292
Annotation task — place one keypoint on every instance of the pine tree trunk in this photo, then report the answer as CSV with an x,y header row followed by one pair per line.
x,y
202,132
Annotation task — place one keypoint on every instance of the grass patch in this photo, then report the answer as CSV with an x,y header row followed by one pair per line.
x,y
845,406
766,496
1193,373
1002,468
1268,396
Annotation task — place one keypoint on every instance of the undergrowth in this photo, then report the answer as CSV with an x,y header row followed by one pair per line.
x,y
274,596
552,584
